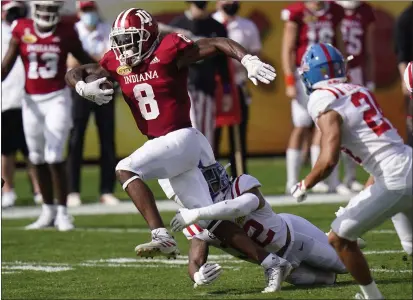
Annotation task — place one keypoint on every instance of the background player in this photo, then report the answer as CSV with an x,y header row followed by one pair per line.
x,y
357,29
152,72
291,237
350,118
306,23
43,44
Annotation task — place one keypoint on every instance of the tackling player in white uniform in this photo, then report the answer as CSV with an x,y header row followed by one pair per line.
x,y
350,118
304,252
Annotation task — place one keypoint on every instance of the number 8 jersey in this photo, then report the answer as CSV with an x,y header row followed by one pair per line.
x,y
366,135
155,90
44,54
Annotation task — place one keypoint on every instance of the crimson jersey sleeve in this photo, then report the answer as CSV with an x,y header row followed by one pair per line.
x,y
293,13
337,12
368,14
18,28
180,43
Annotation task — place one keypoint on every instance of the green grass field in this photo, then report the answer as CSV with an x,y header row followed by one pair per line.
x,y
97,261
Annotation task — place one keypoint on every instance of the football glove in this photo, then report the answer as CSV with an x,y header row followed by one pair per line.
x,y
257,70
207,274
92,91
298,191
183,218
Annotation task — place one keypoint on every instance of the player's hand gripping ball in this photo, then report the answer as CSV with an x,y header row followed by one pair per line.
x,y
107,85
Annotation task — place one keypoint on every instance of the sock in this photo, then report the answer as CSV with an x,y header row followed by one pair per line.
x,y
371,291
272,260
294,163
161,232
314,153
61,210
49,208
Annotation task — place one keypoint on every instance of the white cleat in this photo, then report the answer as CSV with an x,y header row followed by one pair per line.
x,y
64,222
321,188
361,243
109,199
164,245
73,200
356,187
8,199
275,276
359,296
45,219
343,190
38,199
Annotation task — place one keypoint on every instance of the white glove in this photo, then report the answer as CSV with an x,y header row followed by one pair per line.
x,y
258,70
207,274
183,218
92,91
298,191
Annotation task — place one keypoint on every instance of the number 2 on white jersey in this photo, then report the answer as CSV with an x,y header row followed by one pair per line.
x,y
48,71
146,98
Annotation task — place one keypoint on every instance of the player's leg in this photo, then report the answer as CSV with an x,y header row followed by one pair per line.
x,y
81,110
105,122
308,275
33,125
367,210
302,124
311,246
58,123
403,224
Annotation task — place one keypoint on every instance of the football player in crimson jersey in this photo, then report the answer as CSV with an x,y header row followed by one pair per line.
x,y
357,29
43,44
350,119
306,23
152,72
302,248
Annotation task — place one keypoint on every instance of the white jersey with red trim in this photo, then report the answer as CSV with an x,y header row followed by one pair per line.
x,y
263,226
367,136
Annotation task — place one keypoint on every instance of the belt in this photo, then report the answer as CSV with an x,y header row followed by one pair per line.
x,y
281,252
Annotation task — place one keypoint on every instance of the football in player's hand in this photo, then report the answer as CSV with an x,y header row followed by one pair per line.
x,y
104,86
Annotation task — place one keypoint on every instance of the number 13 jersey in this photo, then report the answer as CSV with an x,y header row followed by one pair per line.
x,y
44,55
366,135
156,90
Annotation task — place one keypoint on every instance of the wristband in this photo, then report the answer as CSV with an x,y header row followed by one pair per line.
x,y
289,80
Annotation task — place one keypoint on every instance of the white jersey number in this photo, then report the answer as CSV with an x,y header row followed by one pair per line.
x,y
146,98
321,35
49,70
352,37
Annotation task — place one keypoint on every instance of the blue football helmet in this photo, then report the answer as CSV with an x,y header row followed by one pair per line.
x,y
218,180
322,62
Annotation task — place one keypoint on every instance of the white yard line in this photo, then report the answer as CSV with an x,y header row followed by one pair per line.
x,y
127,207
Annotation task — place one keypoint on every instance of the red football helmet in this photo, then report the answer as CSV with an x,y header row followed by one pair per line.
x,y
46,13
134,36
408,77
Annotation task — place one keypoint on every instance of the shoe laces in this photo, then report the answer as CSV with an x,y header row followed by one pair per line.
x,y
273,275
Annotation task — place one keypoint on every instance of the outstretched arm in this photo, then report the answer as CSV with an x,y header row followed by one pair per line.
x,y
79,73
197,256
10,58
203,48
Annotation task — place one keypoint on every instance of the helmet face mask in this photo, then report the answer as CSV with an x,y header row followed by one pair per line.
x,y
218,181
131,39
46,13
349,4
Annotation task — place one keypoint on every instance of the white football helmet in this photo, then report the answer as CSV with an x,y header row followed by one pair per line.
x,y
349,4
46,13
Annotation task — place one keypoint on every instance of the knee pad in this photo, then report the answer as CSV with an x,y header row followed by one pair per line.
x,y
54,155
36,158
126,165
345,229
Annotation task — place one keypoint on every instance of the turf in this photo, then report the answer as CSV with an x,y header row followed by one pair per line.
x,y
97,261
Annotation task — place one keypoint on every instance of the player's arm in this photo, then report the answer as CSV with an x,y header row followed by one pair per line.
x,y
207,47
369,181
243,205
329,124
79,73
9,58
288,54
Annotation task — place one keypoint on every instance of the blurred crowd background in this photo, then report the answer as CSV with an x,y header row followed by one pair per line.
x,y
265,121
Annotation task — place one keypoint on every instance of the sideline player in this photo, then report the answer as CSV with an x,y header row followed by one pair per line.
x,y
357,29
290,237
152,72
350,118
306,23
43,44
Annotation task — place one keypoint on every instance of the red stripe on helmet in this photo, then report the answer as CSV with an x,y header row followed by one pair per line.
x,y
328,57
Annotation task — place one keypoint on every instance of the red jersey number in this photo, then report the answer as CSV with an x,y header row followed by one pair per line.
x,y
373,116
145,96
258,229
